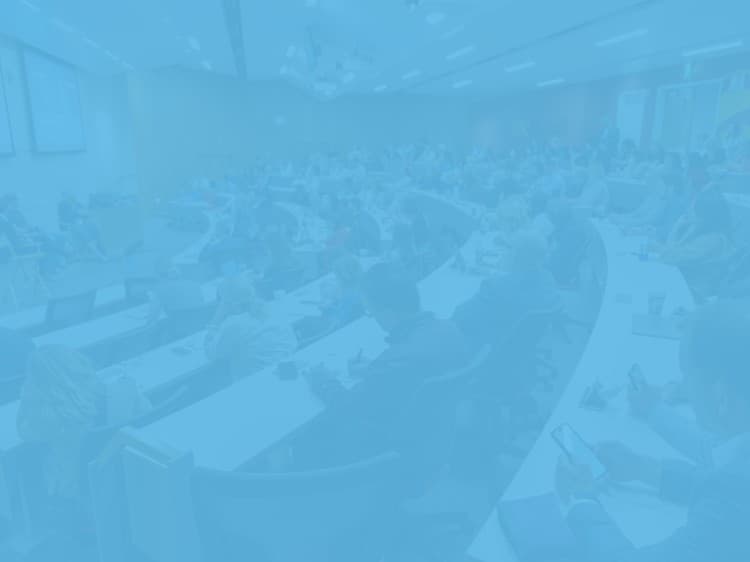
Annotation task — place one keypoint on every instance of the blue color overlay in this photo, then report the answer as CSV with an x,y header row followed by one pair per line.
x,y
375,281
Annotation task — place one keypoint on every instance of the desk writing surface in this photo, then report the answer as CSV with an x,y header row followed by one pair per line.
x,y
110,326
36,315
232,426
610,351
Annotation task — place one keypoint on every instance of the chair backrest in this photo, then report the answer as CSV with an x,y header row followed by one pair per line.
x,y
292,516
67,311
531,328
509,367
137,288
424,428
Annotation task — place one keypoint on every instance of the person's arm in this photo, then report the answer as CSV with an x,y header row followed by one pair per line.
x,y
155,308
681,433
693,251
699,540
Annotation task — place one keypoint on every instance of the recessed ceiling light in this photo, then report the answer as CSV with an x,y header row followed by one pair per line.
x,y
31,6
91,43
380,88
452,32
411,74
622,38
435,18
520,67
713,49
462,84
462,52
553,82
62,25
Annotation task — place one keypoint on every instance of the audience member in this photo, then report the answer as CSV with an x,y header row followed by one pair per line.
x,y
714,361
243,335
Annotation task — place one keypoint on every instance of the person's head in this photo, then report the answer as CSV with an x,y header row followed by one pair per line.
x,y
348,270
560,213
711,212
528,250
715,360
237,295
165,268
512,214
391,296
62,395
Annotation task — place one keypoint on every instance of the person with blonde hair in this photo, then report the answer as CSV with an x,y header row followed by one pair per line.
x,y
62,400
243,334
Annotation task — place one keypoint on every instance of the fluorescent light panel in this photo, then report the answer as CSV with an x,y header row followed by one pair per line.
x,y
452,33
62,25
617,39
462,52
435,18
31,6
553,82
520,67
713,49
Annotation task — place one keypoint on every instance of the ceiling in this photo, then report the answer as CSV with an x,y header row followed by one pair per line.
x,y
336,47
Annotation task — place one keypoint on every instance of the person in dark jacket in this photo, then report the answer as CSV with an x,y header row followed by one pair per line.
x,y
714,358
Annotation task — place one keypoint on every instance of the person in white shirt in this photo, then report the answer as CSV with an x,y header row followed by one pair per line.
x,y
242,332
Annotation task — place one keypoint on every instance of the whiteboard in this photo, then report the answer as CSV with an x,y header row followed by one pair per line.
x,y
52,89
6,137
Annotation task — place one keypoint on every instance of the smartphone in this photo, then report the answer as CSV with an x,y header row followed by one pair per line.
x,y
577,450
637,380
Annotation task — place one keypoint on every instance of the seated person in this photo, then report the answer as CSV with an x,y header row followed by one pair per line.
x,y
595,191
342,300
73,219
714,362
700,240
512,215
243,334
364,230
419,347
735,283
62,400
503,300
284,271
14,227
651,208
176,300
568,242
